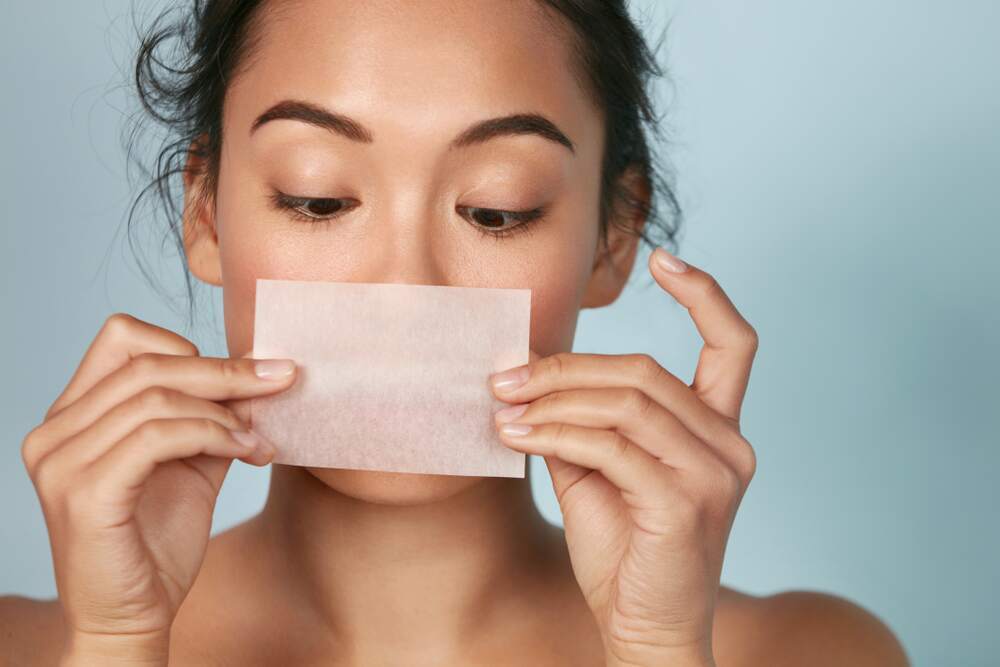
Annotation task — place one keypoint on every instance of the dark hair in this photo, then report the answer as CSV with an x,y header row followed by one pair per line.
x,y
212,39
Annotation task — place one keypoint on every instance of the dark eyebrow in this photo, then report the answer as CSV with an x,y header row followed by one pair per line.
x,y
525,123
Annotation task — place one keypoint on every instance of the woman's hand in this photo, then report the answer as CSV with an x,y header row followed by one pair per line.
x,y
648,471
127,464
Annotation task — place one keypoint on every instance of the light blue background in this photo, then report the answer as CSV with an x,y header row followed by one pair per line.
x,y
839,164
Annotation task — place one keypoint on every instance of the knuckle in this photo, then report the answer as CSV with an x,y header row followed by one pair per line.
x,y
745,458
156,399
556,364
644,367
32,447
560,432
121,327
187,348
637,403
229,415
152,430
620,445
144,364
228,369
750,337
729,482
118,327
208,428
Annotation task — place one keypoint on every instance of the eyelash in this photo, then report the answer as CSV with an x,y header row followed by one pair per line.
x,y
293,206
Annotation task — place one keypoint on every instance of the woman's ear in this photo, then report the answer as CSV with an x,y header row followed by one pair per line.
x,y
614,261
201,243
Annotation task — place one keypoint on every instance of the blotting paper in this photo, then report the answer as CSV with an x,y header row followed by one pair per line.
x,y
391,377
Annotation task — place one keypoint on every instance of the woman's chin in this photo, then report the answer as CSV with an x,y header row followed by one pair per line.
x,y
393,488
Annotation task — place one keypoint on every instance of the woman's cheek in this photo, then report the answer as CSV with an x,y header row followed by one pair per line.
x,y
240,269
559,277
555,305
555,263
249,249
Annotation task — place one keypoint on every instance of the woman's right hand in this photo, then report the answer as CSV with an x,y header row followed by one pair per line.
x,y
128,464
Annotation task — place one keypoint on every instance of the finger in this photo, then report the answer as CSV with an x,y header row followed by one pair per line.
x,y
640,476
723,370
572,370
629,411
120,339
154,403
562,473
241,406
211,378
121,472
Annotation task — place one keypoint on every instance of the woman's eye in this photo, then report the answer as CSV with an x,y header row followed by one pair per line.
x,y
321,208
310,208
500,223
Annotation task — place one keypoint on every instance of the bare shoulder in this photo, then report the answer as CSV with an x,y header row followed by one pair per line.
x,y
31,631
802,627
208,631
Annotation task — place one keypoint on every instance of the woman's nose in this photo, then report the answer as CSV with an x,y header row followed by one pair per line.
x,y
414,255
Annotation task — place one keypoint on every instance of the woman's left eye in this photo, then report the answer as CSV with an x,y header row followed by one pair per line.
x,y
490,221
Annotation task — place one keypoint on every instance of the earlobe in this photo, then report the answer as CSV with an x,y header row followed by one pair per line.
x,y
612,267
614,260
201,243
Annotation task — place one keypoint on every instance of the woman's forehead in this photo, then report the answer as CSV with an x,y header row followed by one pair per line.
x,y
427,58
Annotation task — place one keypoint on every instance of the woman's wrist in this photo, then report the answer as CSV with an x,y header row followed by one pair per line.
x,y
87,649
651,656
667,659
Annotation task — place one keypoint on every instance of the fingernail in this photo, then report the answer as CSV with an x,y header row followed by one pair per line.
x,y
511,413
512,378
248,439
669,262
273,369
254,440
516,429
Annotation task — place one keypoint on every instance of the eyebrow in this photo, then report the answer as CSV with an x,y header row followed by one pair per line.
x,y
477,133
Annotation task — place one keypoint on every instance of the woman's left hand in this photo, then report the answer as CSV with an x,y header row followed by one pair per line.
x,y
648,471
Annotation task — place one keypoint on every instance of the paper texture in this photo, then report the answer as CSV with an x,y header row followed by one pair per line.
x,y
391,377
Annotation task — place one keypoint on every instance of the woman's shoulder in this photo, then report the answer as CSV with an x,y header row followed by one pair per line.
x,y
787,628
801,627
32,630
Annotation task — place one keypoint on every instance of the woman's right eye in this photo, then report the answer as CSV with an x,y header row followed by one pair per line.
x,y
310,209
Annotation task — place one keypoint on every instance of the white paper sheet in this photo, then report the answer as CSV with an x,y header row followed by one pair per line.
x,y
391,377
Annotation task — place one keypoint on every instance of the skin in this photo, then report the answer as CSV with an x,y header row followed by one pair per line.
x,y
369,568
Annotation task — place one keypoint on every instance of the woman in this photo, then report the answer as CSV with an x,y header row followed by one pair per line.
x,y
345,141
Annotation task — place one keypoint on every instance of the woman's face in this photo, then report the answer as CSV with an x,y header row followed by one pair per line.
x,y
410,77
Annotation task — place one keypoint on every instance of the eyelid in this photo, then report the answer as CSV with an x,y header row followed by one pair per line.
x,y
527,219
291,204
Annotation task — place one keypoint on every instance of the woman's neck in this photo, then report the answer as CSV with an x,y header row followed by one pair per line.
x,y
406,579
